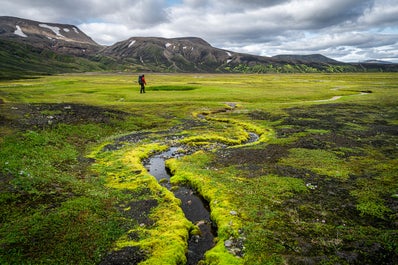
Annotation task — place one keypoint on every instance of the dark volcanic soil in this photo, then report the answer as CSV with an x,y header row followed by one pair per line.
x,y
40,116
125,256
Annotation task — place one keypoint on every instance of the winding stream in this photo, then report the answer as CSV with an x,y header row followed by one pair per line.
x,y
195,208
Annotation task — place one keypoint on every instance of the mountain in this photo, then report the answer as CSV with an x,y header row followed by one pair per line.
x,y
20,60
188,54
179,54
377,62
35,48
60,38
29,47
196,55
311,58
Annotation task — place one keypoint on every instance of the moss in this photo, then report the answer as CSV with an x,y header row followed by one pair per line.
x,y
319,161
166,239
228,224
238,133
219,256
206,139
370,198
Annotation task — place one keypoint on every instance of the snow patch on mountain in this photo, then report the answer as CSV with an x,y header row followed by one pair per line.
x,y
54,29
131,43
19,32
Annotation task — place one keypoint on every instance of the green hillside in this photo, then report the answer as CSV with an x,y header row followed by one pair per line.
x,y
18,60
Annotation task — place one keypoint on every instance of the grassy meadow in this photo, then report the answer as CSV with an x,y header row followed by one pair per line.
x,y
319,186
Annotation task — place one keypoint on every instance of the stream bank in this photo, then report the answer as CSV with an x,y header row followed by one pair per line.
x,y
195,208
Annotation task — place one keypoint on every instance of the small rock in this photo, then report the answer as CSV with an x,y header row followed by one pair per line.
x,y
201,222
235,251
233,212
311,186
228,243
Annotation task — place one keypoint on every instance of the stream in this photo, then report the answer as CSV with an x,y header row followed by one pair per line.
x,y
195,208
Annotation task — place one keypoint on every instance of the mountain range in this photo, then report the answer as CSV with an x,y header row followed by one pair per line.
x,y
30,47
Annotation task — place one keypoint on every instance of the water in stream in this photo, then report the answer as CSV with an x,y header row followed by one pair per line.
x,y
195,208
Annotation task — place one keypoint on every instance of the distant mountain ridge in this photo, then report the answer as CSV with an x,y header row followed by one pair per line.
x,y
189,54
30,47
316,58
377,62
177,54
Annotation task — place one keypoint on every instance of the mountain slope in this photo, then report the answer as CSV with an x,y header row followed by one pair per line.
x,y
60,38
178,54
311,58
377,62
18,60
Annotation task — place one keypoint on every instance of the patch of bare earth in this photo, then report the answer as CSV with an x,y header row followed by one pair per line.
x,y
41,116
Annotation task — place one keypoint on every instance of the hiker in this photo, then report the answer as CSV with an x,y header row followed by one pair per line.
x,y
142,82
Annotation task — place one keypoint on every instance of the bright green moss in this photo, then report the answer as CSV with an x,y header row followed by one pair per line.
x,y
222,209
320,161
218,256
166,241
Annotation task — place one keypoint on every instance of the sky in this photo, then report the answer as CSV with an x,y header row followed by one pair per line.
x,y
345,30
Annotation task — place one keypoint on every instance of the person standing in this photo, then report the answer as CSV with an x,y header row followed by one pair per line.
x,y
142,82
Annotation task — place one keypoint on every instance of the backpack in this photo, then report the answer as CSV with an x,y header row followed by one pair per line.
x,y
140,79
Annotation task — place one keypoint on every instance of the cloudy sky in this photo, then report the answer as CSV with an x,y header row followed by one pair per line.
x,y
345,30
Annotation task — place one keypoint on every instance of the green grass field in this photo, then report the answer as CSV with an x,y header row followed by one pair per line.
x,y
319,186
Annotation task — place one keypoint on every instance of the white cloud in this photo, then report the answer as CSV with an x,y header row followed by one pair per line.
x,y
106,33
381,13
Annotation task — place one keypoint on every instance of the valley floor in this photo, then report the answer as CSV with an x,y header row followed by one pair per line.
x,y
318,185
